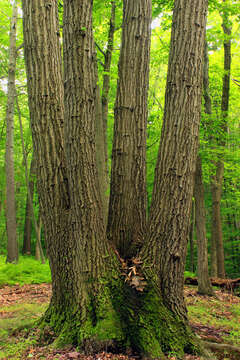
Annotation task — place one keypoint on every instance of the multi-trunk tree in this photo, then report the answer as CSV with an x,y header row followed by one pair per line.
x,y
99,298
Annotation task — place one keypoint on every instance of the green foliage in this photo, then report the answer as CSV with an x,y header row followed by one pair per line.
x,y
27,271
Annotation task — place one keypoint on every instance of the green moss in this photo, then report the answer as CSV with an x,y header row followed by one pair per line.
x,y
98,328
153,329
119,317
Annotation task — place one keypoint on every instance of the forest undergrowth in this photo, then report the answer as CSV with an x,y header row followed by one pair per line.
x,y
26,292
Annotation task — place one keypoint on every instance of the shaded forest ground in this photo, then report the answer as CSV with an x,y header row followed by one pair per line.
x,y
214,319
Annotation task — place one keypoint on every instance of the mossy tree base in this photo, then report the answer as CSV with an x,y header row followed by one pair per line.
x,y
119,318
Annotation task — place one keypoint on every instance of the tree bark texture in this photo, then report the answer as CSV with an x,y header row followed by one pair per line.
x,y
11,224
95,302
204,283
166,241
28,211
128,197
45,98
80,113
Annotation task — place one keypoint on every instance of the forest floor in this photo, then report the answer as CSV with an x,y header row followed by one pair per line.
x,y
214,319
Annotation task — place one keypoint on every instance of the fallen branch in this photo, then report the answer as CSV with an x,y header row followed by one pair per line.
x,y
227,284
216,346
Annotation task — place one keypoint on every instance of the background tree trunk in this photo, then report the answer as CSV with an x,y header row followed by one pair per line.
x,y
191,239
218,178
100,150
128,197
204,283
166,242
106,77
11,225
28,211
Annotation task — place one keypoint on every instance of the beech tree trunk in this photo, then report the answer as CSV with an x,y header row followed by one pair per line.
x,y
204,283
11,224
128,196
166,240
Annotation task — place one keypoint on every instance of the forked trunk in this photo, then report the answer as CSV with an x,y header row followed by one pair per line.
x,y
92,305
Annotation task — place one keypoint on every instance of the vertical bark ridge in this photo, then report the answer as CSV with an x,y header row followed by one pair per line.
x,y
128,200
166,241
45,97
80,113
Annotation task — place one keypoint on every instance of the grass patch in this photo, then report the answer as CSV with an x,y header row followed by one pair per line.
x,y
219,313
27,271
23,316
189,274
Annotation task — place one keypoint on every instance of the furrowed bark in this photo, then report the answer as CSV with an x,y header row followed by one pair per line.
x,y
168,229
45,98
128,199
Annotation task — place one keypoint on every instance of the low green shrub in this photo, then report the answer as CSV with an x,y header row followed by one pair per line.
x,y
27,271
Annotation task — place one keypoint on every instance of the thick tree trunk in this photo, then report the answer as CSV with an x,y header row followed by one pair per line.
x,y
92,304
28,211
204,283
45,97
166,242
128,197
11,224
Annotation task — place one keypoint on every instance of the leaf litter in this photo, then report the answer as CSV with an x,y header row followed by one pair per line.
x,y
41,293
